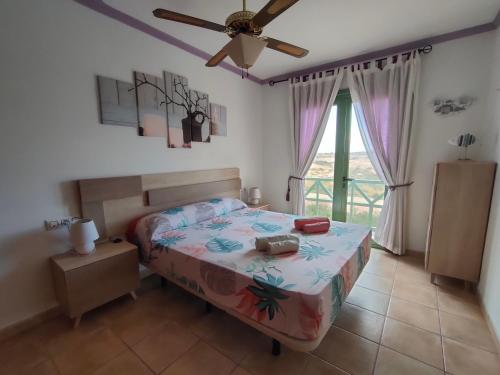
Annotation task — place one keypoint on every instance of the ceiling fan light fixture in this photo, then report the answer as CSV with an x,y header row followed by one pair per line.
x,y
244,50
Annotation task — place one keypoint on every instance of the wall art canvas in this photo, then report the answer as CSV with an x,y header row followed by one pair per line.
x,y
151,105
447,107
218,120
178,107
117,102
200,116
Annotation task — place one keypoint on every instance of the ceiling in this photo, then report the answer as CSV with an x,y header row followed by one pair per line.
x,y
330,29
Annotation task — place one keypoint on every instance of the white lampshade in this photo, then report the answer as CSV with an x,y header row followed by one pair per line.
x,y
254,195
83,233
244,50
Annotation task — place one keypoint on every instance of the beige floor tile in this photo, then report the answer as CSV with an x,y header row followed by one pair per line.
x,y
132,322
369,299
374,250
412,276
413,342
44,368
415,314
89,354
457,289
183,307
360,321
240,371
411,263
218,329
125,364
414,292
20,353
456,305
201,359
163,348
390,362
259,360
461,359
374,282
135,321
58,334
378,258
348,351
316,366
467,331
382,269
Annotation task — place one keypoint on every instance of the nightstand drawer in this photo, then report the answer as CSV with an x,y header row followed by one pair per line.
x,y
97,283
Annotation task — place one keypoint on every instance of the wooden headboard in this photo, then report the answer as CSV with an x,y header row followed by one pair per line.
x,y
113,202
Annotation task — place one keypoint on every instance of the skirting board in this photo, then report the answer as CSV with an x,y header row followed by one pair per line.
x,y
489,322
28,323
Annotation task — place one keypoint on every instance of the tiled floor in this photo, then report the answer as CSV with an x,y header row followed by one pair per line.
x,y
393,322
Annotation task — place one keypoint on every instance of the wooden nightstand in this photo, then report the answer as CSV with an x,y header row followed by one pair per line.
x,y
260,206
83,282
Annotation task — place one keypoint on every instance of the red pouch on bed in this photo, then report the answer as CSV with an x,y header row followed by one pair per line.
x,y
321,227
299,223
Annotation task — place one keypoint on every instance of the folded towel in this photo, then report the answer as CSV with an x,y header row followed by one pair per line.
x,y
317,227
281,247
299,223
277,244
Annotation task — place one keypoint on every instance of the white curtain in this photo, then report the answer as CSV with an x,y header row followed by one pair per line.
x,y
310,105
384,102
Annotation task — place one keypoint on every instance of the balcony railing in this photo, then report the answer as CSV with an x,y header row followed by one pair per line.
x,y
365,199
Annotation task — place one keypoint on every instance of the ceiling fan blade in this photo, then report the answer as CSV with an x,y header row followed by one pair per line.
x,y
178,17
271,10
217,58
287,48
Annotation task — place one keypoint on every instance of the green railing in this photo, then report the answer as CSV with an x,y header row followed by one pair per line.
x,y
364,199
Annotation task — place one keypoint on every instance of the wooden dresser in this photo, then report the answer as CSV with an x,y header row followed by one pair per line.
x,y
458,221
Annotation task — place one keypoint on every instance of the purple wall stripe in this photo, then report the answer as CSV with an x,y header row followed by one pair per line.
x,y
496,21
101,7
388,51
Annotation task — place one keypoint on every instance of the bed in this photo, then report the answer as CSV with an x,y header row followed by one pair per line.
x,y
208,248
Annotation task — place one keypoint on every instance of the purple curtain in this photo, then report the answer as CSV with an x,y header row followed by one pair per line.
x,y
310,105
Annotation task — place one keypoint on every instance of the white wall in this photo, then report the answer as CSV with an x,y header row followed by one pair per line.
x,y
490,273
50,53
456,68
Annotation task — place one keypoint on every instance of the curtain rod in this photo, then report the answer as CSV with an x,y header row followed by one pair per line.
x,y
424,50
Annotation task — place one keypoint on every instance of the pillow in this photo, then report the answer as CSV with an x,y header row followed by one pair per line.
x,y
183,216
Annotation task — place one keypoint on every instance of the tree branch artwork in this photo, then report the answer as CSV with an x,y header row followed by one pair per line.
x,y
150,97
186,111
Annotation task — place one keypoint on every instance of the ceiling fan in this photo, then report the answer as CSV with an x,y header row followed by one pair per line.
x,y
244,28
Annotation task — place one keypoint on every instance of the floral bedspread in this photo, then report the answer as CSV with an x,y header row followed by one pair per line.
x,y
297,294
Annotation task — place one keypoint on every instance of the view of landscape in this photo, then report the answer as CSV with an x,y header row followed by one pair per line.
x,y
365,194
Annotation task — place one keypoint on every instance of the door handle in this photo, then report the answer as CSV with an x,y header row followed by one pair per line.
x,y
345,180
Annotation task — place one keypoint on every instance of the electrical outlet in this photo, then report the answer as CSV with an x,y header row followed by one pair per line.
x,y
56,224
51,224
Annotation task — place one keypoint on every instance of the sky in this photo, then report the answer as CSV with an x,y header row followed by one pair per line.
x,y
328,141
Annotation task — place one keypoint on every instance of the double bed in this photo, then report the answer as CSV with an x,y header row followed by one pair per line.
x,y
208,248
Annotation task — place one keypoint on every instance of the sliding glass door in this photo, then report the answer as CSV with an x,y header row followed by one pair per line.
x,y
342,183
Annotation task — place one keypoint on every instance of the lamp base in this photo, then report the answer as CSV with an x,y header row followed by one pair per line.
x,y
86,248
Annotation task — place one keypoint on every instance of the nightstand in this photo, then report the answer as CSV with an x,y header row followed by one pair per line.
x,y
261,206
83,282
